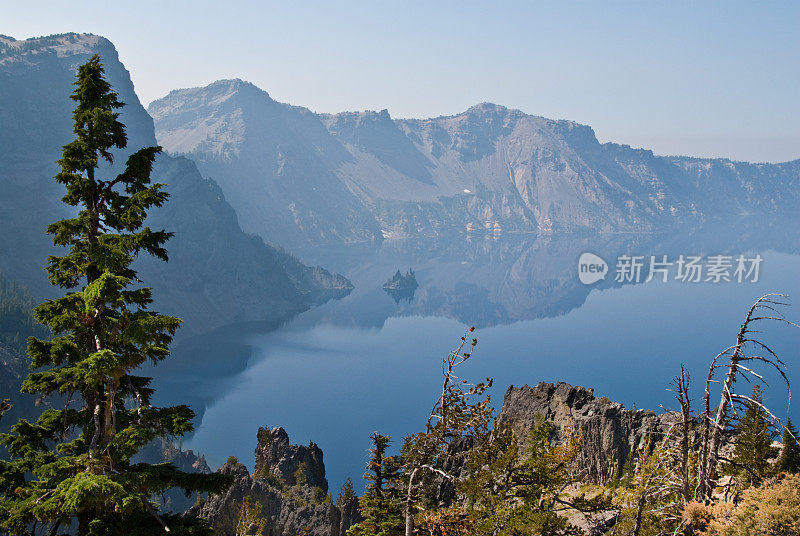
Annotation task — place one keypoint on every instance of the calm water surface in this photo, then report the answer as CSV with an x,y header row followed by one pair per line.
x,y
369,362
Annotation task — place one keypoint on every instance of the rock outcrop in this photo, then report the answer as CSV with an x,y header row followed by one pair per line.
x,y
292,464
288,485
610,432
402,282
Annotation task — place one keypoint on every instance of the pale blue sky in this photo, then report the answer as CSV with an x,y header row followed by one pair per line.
x,y
697,78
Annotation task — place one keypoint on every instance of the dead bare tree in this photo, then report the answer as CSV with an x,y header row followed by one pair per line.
x,y
681,386
737,361
463,409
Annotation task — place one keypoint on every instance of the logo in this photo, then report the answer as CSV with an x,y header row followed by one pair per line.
x,y
591,268
686,268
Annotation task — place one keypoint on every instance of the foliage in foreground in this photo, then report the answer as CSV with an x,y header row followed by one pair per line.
x,y
461,476
753,447
514,490
771,509
380,505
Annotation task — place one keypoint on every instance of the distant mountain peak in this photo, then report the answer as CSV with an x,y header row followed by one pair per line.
x,y
63,45
212,116
219,89
487,107
237,84
68,36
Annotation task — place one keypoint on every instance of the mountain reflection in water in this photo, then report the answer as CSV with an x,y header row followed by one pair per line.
x,y
370,360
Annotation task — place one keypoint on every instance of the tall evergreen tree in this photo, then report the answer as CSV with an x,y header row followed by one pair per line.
x,y
73,465
381,505
753,447
346,494
790,455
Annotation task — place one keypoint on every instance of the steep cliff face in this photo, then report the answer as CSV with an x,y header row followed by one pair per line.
x,y
610,432
488,170
289,487
217,274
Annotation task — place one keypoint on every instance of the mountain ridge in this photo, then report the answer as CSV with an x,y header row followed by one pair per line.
x,y
483,106
490,169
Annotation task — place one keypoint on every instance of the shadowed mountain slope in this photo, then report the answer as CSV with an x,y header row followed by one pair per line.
x,y
217,274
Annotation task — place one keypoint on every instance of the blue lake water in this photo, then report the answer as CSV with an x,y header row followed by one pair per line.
x,y
367,362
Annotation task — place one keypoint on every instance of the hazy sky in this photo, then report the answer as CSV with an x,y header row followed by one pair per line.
x,y
697,78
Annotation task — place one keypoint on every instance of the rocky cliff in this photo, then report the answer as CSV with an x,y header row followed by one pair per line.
x,y
289,482
350,177
288,487
217,273
610,432
291,464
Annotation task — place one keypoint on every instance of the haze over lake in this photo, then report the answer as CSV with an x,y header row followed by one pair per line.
x,y
371,361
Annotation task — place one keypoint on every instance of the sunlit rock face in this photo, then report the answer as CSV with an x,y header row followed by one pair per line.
x,y
308,178
609,431
293,464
